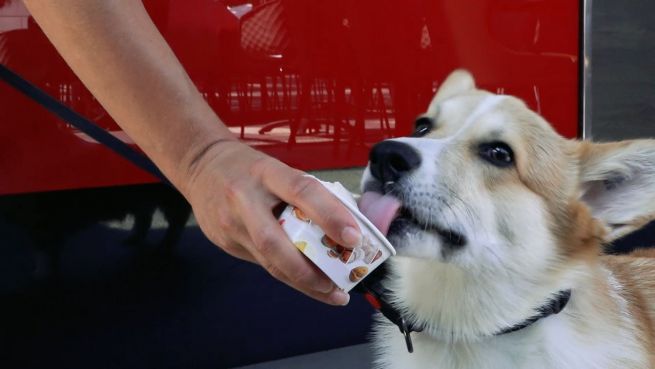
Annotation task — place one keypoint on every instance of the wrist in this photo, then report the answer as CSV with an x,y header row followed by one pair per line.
x,y
200,156
184,139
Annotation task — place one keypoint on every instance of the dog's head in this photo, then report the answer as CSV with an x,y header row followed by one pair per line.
x,y
491,197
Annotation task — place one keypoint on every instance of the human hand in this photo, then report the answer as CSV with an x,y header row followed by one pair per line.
x,y
233,190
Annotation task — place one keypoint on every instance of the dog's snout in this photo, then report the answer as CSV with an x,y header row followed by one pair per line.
x,y
390,160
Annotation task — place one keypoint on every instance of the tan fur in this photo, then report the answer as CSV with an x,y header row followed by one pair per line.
x,y
636,272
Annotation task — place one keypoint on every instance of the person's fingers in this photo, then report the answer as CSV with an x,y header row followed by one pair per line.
x,y
334,296
320,205
275,252
234,208
251,225
238,249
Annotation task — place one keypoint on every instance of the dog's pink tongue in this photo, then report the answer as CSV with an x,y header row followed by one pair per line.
x,y
380,209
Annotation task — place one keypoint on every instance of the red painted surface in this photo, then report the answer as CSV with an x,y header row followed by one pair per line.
x,y
313,83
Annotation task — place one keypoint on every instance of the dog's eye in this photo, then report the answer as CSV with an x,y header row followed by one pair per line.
x,y
497,153
422,126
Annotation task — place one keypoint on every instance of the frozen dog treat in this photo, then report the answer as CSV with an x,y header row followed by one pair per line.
x,y
346,267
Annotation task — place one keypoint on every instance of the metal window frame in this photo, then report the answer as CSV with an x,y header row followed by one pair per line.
x,y
585,124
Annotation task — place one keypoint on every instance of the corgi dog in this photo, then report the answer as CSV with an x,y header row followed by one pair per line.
x,y
499,224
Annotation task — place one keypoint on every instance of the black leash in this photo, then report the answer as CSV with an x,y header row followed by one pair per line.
x,y
78,121
377,295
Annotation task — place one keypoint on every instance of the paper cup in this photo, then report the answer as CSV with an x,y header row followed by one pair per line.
x,y
346,267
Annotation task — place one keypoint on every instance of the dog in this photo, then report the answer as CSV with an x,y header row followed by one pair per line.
x,y
499,224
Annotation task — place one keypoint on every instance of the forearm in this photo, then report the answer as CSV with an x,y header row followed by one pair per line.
x,y
121,57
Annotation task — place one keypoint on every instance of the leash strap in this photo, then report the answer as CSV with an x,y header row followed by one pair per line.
x,y
377,296
78,121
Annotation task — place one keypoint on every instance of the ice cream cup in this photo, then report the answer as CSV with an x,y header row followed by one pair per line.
x,y
346,267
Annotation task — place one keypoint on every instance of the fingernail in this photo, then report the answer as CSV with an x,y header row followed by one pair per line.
x,y
351,236
340,298
324,286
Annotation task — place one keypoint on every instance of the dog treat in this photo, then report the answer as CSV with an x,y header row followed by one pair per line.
x,y
344,266
358,273
300,215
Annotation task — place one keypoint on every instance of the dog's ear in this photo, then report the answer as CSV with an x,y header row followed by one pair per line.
x,y
618,183
457,82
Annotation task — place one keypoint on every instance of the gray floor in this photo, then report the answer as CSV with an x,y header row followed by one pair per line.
x,y
348,357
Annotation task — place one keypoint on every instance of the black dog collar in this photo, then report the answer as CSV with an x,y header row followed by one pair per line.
x,y
378,297
552,307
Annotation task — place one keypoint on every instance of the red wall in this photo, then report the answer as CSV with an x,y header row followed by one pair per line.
x,y
313,83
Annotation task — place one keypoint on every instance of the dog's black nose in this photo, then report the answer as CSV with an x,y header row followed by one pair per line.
x,y
390,160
